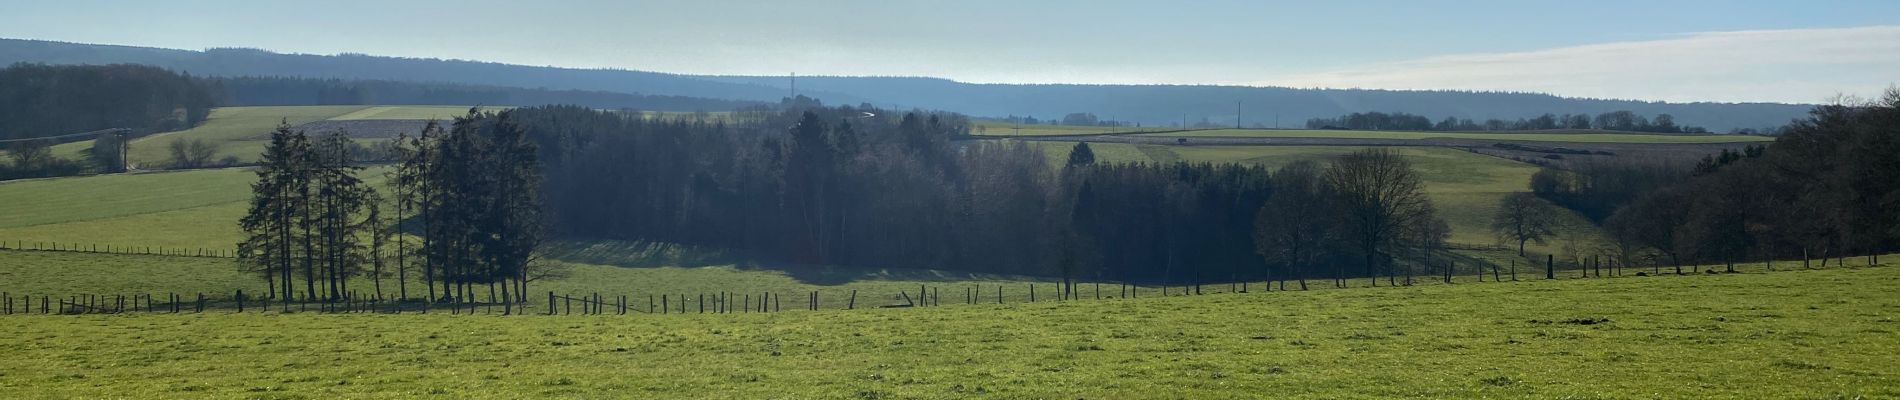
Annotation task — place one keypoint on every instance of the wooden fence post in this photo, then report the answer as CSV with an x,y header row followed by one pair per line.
x,y
1550,266
853,305
240,300
1032,292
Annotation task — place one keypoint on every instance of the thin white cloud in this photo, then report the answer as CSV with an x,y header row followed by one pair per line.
x,y
1795,65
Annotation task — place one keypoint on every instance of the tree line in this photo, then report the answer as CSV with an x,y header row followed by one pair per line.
x,y
1823,189
464,212
1399,121
861,186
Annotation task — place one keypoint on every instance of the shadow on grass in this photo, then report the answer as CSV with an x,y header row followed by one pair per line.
x,y
634,254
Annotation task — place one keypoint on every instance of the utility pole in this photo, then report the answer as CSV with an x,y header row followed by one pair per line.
x,y
1237,114
794,85
124,148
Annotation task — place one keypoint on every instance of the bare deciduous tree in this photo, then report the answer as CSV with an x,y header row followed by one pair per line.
x,y
1383,202
1521,218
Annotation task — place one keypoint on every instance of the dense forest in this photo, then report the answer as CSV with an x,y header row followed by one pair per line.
x,y
1825,188
1621,120
44,100
1148,105
858,186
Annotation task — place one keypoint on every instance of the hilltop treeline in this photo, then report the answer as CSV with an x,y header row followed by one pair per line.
x,y
869,187
1825,188
1613,121
285,91
42,100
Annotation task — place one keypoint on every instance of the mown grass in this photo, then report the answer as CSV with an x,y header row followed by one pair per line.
x,y
1564,136
1799,334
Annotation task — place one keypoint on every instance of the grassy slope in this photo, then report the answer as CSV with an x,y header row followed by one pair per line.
x,y
1810,334
1531,136
182,209
242,131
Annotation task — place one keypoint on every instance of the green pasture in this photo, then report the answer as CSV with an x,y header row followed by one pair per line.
x,y
1826,333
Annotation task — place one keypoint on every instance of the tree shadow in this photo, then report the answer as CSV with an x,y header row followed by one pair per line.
x,y
642,254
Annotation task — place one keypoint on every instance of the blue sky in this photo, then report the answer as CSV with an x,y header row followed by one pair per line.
x,y
1655,50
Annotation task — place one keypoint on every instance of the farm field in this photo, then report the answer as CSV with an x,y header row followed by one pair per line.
x,y
1828,333
1562,136
987,127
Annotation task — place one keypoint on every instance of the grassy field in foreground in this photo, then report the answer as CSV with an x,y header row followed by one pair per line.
x,y
1529,136
1796,334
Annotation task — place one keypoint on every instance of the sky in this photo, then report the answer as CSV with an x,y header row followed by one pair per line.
x,y
1690,50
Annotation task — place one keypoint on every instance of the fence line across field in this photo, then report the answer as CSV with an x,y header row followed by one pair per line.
x,y
70,247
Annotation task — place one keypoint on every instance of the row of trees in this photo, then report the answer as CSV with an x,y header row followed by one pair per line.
x,y
1614,120
469,196
1826,187
866,187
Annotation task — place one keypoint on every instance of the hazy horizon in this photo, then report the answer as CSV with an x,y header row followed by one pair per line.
x,y
1676,52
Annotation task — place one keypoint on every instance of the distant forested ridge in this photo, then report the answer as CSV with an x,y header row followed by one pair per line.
x,y
283,91
46,100
1152,105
